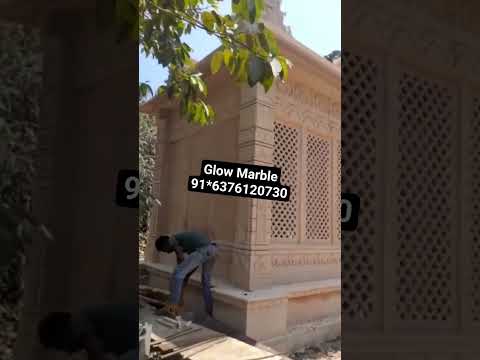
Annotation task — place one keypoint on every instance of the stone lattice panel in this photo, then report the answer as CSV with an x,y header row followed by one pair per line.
x,y
425,180
286,157
337,197
474,203
360,117
318,189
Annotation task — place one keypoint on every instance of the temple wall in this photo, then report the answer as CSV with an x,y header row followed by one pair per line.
x,y
410,137
306,230
180,150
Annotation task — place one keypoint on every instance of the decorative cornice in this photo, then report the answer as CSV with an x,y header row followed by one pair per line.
x,y
299,104
301,95
413,36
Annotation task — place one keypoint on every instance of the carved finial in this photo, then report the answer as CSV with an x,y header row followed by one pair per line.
x,y
273,15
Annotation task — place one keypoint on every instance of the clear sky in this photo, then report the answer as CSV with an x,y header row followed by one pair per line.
x,y
315,23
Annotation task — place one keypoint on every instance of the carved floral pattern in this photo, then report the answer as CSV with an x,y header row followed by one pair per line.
x,y
306,259
298,104
262,264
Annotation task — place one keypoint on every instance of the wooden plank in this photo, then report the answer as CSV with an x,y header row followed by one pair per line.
x,y
151,301
195,336
197,342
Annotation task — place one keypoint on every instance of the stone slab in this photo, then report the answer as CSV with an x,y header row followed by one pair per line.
x,y
285,317
198,342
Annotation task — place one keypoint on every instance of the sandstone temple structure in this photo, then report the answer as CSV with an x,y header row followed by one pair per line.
x,y
277,278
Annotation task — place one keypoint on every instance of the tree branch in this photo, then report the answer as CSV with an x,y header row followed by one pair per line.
x,y
222,36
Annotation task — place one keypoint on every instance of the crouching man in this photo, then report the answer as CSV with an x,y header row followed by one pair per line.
x,y
105,332
192,249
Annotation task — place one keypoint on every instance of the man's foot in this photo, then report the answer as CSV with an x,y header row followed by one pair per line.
x,y
172,310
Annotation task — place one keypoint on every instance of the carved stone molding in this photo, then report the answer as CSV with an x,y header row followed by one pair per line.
x,y
431,42
241,263
316,121
306,259
302,96
262,264
336,110
300,105
259,305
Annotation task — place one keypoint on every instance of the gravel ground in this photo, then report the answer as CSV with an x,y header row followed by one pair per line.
x,y
328,351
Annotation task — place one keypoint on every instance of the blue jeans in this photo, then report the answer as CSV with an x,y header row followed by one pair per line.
x,y
204,256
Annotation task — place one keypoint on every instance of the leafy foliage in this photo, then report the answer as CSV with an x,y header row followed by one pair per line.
x,y
333,55
20,71
248,51
20,67
146,158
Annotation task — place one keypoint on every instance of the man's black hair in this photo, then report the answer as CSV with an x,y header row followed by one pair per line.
x,y
163,243
55,331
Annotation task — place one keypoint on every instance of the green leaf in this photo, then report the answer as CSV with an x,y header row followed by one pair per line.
x,y
145,90
286,64
217,60
241,62
218,18
198,112
252,10
148,30
259,4
161,90
205,113
256,70
268,77
208,20
229,22
251,42
241,8
202,86
227,56
247,48
264,42
232,64
272,43
211,112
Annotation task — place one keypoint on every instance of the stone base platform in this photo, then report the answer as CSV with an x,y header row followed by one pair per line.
x,y
285,318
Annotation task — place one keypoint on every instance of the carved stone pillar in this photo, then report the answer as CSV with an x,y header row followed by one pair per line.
x,y
252,259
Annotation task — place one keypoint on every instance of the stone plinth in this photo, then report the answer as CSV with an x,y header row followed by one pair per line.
x,y
283,317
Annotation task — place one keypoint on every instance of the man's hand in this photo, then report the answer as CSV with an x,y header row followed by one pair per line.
x,y
180,255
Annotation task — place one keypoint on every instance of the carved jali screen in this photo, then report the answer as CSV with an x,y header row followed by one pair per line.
x,y
308,158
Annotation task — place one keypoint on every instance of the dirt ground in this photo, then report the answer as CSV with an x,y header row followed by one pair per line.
x,y
328,351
